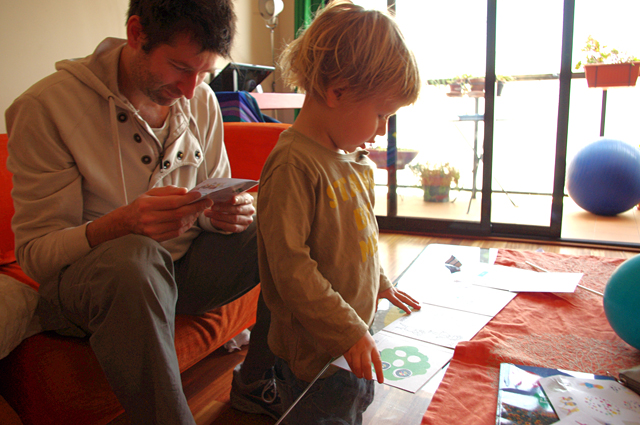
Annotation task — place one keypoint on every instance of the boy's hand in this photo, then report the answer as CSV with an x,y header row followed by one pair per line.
x,y
400,299
362,355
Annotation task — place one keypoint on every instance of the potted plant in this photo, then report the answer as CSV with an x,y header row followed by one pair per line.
x,y
379,156
456,88
457,85
477,85
501,81
436,180
608,67
469,85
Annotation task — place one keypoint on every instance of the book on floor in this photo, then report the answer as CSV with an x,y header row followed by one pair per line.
x,y
521,397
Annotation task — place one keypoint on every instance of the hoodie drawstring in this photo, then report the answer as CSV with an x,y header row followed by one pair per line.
x,y
115,135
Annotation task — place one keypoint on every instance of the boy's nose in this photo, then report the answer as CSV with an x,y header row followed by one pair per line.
x,y
382,128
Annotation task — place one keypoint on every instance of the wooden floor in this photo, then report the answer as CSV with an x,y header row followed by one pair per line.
x,y
207,384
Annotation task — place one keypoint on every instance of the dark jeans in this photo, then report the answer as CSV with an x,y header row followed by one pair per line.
x,y
125,294
340,398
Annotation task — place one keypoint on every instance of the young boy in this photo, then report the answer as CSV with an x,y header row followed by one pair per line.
x,y
317,232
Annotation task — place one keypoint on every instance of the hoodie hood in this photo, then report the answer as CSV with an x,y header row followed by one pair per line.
x,y
100,70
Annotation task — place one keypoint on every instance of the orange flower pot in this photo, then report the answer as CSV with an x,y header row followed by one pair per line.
x,y
611,75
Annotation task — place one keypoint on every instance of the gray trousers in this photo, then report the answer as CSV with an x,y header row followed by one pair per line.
x,y
125,294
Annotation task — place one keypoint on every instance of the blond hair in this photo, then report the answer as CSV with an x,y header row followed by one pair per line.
x,y
360,50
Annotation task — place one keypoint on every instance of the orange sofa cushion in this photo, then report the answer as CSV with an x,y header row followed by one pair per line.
x,y
50,379
6,203
249,144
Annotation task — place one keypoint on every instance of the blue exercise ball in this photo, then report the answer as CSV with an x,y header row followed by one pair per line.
x,y
622,301
604,177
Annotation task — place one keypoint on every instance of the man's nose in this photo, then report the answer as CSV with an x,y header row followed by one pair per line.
x,y
188,84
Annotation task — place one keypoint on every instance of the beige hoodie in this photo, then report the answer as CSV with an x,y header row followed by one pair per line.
x,y
78,150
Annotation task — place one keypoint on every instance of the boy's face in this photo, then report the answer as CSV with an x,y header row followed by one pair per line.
x,y
360,122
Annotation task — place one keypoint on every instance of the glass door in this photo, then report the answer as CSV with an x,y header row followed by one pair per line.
x,y
525,131
595,112
508,142
439,141
489,114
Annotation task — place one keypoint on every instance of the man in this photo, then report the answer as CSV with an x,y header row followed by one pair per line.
x,y
103,152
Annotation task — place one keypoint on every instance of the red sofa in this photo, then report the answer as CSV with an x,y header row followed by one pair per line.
x,y
50,379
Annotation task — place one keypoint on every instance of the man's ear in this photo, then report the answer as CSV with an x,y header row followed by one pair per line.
x,y
135,35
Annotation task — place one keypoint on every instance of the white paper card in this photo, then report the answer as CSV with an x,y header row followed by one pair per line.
x,y
222,189
519,280
459,296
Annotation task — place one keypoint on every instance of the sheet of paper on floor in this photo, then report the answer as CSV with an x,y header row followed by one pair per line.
x,y
439,325
438,254
461,296
520,280
407,363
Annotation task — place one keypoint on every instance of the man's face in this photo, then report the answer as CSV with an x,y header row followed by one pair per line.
x,y
171,71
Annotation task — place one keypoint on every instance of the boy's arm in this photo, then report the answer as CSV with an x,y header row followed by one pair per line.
x,y
286,213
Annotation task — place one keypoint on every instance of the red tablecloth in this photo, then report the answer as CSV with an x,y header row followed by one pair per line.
x,y
566,331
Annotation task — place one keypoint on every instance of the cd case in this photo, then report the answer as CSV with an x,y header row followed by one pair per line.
x,y
631,378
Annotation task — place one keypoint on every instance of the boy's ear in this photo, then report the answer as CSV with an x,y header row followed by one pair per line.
x,y
335,95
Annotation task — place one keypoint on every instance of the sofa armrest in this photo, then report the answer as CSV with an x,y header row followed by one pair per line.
x,y
6,203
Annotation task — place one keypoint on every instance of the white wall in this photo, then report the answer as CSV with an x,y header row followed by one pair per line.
x,y
34,34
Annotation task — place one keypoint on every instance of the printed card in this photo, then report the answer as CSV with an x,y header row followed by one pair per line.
x,y
439,325
407,363
222,189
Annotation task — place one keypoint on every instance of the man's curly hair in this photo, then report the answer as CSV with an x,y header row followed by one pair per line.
x,y
212,23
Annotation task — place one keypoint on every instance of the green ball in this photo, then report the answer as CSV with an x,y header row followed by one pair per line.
x,y
622,301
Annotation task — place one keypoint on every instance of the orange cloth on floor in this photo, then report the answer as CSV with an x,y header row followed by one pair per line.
x,y
566,331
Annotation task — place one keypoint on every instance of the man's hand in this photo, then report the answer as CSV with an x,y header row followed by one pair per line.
x,y
233,216
162,213
400,299
362,355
